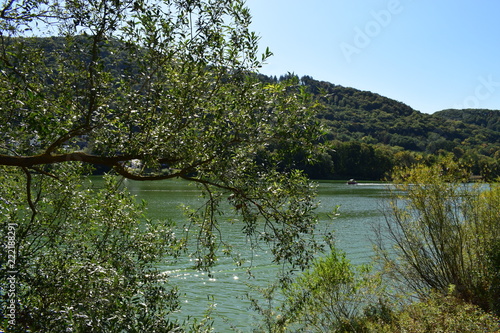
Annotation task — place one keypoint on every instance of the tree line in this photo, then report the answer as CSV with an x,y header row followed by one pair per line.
x,y
367,134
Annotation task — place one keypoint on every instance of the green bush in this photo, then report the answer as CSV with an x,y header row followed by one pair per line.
x,y
444,231
330,296
436,313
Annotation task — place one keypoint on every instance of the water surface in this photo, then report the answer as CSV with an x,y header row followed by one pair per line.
x,y
359,210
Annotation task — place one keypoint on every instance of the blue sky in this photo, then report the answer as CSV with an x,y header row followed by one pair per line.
x,y
429,54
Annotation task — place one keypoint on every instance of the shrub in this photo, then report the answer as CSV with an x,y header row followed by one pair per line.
x,y
330,296
444,232
436,313
84,258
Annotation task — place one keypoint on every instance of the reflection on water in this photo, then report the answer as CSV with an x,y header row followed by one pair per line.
x,y
360,210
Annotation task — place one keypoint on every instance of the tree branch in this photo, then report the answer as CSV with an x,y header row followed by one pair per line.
x,y
82,130
28,192
30,161
206,183
121,170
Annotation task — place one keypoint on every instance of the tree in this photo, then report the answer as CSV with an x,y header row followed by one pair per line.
x,y
78,258
153,90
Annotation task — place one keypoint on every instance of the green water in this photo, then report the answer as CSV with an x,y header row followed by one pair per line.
x,y
360,210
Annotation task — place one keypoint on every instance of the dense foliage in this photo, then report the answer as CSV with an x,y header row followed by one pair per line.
x,y
81,259
369,134
152,90
440,267
329,297
445,232
334,297
489,119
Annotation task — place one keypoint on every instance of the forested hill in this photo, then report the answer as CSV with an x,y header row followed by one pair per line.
x,y
489,119
352,114
371,133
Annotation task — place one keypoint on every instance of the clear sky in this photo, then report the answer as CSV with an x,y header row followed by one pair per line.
x,y
429,54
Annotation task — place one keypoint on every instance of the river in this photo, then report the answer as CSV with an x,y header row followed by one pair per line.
x,y
360,210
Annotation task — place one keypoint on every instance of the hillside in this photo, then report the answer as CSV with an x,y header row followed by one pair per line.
x,y
371,133
355,115
489,119
362,115
368,134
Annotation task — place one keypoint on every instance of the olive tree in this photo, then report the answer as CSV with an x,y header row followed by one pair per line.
x,y
78,259
151,90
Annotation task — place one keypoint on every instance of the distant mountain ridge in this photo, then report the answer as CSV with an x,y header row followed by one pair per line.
x,y
352,114
368,133
489,119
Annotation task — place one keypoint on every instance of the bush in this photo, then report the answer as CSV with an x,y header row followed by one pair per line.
x,y
444,232
436,313
330,296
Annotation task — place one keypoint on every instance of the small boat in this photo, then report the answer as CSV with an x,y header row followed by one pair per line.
x,y
352,182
